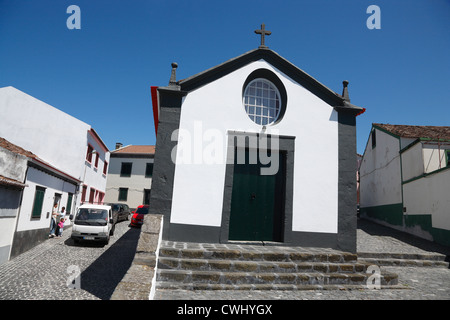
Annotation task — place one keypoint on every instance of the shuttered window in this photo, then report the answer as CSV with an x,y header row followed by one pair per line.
x,y
38,202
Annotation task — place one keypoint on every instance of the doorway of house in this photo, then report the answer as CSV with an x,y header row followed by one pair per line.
x,y
257,201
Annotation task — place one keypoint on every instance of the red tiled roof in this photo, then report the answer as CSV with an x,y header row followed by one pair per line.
x,y
136,149
16,149
407,131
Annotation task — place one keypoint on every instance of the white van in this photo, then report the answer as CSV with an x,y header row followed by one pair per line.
x,y
92,222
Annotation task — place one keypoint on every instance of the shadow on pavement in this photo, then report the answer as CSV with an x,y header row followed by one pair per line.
x,y
102,276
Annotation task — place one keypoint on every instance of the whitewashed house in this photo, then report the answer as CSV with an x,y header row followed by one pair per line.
x,y
290,189
405,179
13,168
68,166
130,175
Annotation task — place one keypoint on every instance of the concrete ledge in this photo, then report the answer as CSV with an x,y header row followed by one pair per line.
x,y
138,281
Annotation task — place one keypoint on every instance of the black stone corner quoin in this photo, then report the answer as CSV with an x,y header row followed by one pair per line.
x,y
170,100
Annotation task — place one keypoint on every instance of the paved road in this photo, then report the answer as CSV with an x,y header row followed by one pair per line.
x,y
42,273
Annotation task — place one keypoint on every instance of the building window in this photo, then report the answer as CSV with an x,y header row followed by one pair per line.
x,y
149,170
83,193
262,101
105,168
38,202
374,138
69,203
146,196
123,194
92,195
96,160
447,154
89,153
125,171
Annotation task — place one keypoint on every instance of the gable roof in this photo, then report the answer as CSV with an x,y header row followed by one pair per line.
x,y
414,132
135,149
274,59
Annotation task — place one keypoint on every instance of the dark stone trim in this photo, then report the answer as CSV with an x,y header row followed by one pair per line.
x,y
346,236
272,77
164,168
272,58
313,239
192,233
28,239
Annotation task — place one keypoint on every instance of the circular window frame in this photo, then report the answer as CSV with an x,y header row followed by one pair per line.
x,y
272,78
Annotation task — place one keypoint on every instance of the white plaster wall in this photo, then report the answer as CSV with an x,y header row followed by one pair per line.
x,y
135,184
13,165
93,176
434,156
51,134
54,136
380,172
210,111
430,195
412,162
53,185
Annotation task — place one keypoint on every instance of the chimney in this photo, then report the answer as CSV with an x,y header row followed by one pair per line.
x,y
118,145
345,91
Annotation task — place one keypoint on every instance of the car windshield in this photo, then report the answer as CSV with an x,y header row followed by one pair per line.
x,y
142,210
92,216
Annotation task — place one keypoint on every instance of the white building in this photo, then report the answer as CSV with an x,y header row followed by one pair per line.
x,y
64,169
260,106
405,179
130,175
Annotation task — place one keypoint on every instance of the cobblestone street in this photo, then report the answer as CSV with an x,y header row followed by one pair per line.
x,y
42,272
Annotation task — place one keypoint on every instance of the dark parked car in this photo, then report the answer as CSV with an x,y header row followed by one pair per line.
x,y
121,211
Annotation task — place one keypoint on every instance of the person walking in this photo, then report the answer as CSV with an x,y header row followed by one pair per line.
x,y
61,227
53,221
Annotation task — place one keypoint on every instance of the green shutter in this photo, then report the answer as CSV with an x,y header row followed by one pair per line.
x,y
69,203
38,202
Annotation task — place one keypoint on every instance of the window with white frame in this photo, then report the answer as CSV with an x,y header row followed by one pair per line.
x,y
262,101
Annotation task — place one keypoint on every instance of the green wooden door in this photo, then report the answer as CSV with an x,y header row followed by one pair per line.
x,y
256,202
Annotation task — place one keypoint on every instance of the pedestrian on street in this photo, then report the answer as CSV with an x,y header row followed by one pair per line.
x,y
53,221
61,227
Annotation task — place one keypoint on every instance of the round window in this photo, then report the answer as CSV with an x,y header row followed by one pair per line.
x,y
262,101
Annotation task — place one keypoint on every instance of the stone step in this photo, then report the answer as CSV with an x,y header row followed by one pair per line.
x,y
404,256
404,262
260,266
252,255
166,285
252,267
247,278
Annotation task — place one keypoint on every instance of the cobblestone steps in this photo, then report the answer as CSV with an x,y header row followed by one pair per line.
x,y
223,267
404,259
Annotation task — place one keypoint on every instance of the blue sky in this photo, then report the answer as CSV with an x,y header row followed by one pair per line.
x,y
102,73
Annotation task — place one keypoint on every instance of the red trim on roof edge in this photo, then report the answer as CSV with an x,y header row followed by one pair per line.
x,y
98,139
154,93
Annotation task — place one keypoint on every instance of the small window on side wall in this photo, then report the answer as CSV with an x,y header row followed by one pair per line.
x,y
374,138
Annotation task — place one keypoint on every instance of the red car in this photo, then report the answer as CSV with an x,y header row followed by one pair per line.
x,y
138,216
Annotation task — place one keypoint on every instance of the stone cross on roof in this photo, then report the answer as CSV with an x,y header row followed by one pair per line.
x,y
263,32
